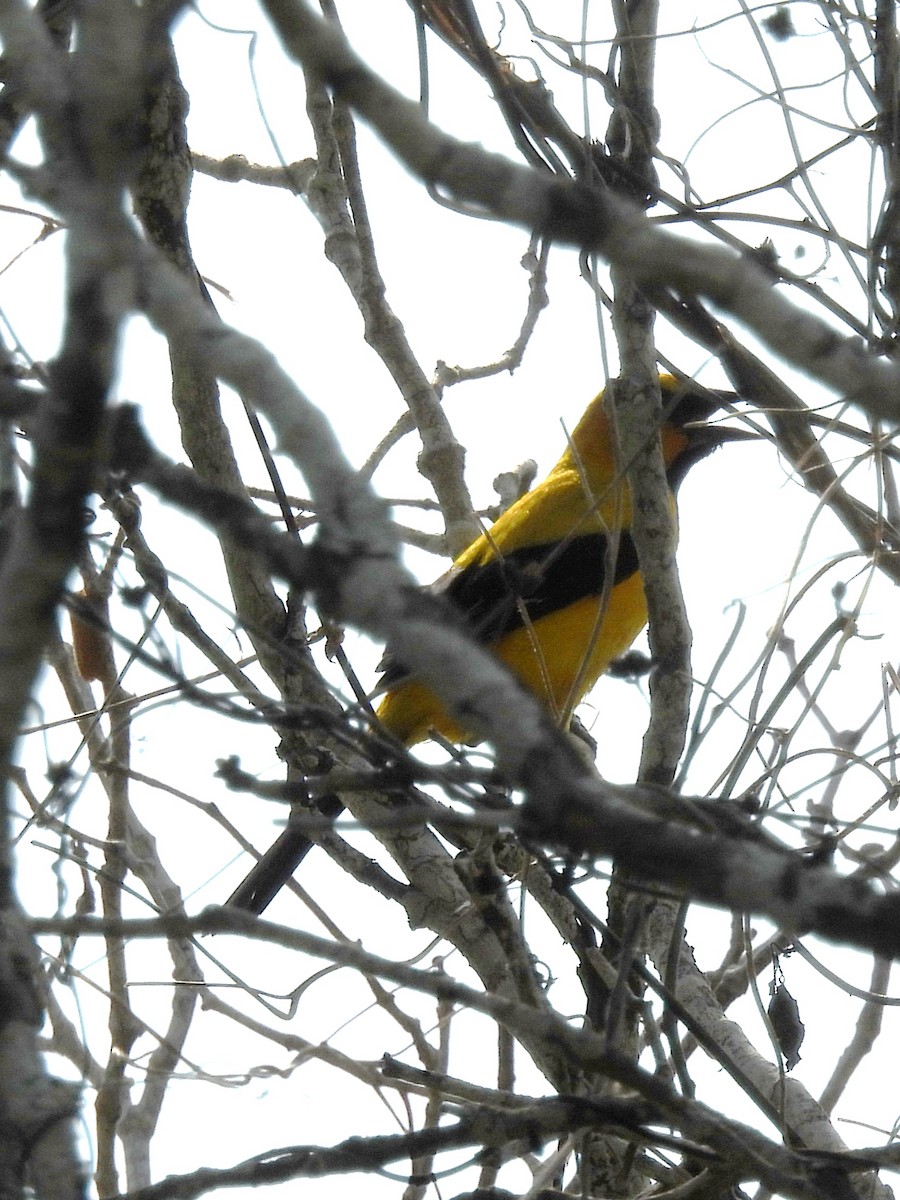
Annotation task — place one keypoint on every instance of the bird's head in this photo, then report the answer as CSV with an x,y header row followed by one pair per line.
x,y
687,436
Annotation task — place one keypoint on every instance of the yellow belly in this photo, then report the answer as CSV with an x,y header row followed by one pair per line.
x,y
559,658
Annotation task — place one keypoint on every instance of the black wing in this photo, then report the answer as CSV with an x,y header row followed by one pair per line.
x,y
528,583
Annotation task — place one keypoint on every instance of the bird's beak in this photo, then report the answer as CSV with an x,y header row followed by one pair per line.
x,y
728,433
724,397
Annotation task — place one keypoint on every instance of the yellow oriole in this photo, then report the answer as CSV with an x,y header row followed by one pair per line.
x,y
553,587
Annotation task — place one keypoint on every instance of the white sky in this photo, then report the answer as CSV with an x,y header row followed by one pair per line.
x,y
458,289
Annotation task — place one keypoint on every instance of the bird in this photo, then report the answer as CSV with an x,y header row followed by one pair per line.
x,y
553,588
